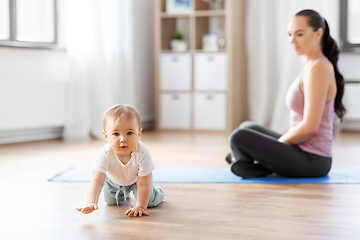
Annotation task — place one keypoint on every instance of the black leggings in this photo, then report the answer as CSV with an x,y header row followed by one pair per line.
x,y
252,142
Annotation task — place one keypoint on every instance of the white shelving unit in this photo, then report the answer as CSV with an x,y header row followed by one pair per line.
x,y
197,90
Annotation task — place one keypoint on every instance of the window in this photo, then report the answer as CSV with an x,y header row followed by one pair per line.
x,y
4,19
350,25
25,23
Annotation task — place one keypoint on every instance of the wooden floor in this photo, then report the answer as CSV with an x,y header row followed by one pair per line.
x,y
32,208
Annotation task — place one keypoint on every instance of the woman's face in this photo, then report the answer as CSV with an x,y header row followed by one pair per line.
x,y
302,37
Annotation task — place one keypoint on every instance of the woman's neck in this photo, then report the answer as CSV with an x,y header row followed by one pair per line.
x,y
309,58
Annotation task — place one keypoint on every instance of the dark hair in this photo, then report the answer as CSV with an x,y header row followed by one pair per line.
x,y
331,51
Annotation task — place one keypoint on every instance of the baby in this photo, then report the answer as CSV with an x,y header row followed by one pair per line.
x,y
123,165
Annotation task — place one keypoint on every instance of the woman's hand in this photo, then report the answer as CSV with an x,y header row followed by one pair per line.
x,y
89,208
281,139
136,211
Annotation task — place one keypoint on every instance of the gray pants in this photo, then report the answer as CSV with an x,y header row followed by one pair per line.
x,y
252,141
115,194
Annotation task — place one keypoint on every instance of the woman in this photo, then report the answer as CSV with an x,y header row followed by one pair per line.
x,y
305,150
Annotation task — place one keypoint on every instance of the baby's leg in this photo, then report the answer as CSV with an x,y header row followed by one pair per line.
x,y
110,191
156,195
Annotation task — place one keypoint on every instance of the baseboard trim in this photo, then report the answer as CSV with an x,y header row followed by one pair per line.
x,y
148,125
45,133
27,135
350,125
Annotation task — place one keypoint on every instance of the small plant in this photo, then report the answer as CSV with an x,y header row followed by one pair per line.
x,y
177,35
177,43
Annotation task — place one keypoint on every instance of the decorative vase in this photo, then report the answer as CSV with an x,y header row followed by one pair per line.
x,y
178,45
210,43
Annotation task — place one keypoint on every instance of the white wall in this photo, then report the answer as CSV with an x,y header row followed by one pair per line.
x,y
349,66
33,91
33,82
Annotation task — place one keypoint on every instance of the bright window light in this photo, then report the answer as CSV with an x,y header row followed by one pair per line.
x,y
353,21
35,21
4,20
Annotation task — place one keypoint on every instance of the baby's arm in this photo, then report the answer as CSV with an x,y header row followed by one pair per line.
x,y
144,191
93,193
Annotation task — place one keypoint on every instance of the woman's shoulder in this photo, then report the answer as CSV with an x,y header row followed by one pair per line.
x,y
321,71
323,66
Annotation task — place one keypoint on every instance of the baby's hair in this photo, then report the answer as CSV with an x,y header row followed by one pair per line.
x,y
122,111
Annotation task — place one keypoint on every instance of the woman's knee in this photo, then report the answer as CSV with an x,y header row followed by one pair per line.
x,y
247,125
238,136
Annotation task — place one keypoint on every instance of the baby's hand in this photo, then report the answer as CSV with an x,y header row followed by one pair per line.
x,y
89,208
136,211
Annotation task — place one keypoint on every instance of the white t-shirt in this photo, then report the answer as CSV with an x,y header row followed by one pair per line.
x,y
140,164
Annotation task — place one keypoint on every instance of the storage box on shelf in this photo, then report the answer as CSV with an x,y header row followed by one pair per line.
x,y
175,110
210,111
196,89
210,71
175,71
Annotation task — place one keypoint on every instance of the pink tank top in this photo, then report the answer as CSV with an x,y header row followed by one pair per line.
x,y
321,142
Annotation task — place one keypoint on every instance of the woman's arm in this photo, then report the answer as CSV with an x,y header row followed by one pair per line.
x,y
143,196
93,193
316,85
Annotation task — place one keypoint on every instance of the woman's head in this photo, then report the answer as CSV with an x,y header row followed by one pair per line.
x,y
304,37
319,25
309,31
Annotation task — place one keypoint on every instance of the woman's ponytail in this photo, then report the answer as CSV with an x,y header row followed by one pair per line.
x,y
331,51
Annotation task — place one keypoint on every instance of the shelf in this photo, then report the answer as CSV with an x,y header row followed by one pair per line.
x,y
193,91
175,52
199,8
208,25
201,5
171,15
175,91
210,13
203,13
202,51
169,26
226,21
192,51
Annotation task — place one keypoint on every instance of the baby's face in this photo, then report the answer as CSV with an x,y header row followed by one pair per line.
x,y
122,135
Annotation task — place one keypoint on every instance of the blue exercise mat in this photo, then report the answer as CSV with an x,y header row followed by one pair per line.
x,y
217,175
